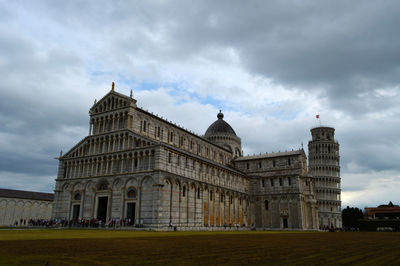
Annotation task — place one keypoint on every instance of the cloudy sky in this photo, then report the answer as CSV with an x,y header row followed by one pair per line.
x,y
270,65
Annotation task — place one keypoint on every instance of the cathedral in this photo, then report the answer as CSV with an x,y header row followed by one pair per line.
x,y
138,166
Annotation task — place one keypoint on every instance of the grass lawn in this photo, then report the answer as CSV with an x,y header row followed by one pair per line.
x,y
103,247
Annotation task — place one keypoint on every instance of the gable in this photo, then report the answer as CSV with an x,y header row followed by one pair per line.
x,y
90,145
112,101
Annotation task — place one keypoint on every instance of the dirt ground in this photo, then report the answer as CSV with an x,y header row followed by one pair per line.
x,y
95,247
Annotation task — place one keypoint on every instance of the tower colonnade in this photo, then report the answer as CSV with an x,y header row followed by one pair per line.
x,y
324,166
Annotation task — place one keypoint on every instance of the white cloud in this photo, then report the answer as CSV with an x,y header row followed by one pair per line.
x,y
370,189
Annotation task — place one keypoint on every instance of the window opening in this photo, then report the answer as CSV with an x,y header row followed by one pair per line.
x,y
77,196
131,194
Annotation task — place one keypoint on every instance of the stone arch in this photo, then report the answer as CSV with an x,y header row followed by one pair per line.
x,y
168,192
117,184
146,200
4,213
147,181
185,183
168,181
19,207
89,186
35,210
131,192
27,210
78,186
77,195
102,184
178,183
131,182
66,187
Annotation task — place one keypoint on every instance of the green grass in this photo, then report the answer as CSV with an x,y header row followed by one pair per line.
x,y
107,247
42,234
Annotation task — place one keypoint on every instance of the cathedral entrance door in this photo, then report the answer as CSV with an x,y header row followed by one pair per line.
x,y
285,223
130,211
102,208
75,211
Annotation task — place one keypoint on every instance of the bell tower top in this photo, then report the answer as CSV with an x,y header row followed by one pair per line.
x,y
323,133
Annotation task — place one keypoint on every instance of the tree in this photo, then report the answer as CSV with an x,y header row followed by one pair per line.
x,y
350,217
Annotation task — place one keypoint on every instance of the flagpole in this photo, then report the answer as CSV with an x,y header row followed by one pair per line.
x,y
319,120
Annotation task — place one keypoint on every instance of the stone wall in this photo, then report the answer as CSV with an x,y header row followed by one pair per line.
x,y
14,209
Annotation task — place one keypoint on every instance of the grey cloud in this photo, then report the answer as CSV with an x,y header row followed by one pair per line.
x,y
37,104
341,52
314,45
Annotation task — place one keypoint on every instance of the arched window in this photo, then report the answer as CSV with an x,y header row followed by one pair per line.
x,y
266,205
198,193
131,194
77,196
103,186
184,191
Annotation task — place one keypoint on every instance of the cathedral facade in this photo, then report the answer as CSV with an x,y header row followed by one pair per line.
x,y
138,166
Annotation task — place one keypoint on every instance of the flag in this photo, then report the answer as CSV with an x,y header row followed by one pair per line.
x,y
317,116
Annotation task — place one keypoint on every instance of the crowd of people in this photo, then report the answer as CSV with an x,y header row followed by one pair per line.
x,y
118,223
331,228
35,222
98,223
92,223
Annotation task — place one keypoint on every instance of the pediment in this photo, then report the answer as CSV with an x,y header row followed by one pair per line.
x,y
81,149
112,101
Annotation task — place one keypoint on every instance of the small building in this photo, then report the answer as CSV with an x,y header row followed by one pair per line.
x,y
387,212
17,205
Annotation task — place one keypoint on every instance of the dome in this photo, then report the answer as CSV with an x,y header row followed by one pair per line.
x,y
220,127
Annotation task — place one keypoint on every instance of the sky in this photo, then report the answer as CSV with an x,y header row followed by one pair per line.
x,y
271,66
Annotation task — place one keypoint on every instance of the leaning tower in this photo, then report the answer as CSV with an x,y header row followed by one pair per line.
x,y
324,165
